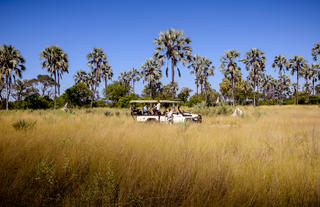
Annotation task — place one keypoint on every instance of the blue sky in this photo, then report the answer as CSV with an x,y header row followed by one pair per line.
x,y
125,30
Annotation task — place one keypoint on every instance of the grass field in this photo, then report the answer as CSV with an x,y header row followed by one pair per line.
x,y
268,157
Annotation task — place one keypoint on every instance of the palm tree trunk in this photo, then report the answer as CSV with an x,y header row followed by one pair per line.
x,y
150,90
297,87
55,90
206,93
7,93
58,83
105,83
254,93
197,94
133,86
233,93
313,86
172,80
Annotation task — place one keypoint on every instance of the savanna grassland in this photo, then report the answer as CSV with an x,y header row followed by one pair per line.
x,y
268,157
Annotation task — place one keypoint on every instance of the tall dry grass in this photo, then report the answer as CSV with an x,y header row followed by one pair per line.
x,y
269,157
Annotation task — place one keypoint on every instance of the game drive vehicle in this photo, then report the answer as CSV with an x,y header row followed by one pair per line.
x,y
149,114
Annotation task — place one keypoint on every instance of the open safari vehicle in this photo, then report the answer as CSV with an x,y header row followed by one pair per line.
x,y
144,111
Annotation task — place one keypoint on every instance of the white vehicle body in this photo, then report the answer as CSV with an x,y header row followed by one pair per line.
x,y
179,117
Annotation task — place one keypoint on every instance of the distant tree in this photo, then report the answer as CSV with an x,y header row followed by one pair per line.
x,y
255,63
184,94
97,60
11,65
173,46
206,70
22,89
230,69
45,83
56,61
2,86
80,76
314,75
125,79
115,91
134,76
316,51
297,65
151,73
306,73
282,64
107,74
166,91
195,66
77,95
317,89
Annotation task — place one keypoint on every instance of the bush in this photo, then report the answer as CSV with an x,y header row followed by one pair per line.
x,y
124,101
24,124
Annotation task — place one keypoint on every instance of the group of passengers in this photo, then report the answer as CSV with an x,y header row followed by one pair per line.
x,y
156,111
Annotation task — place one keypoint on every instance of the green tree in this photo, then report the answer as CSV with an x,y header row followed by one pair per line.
x,y
195,66
282,64
11,65
107,74
255,63
45,83
166,91
314,75
115,91
55,60
80,76
151,73
134,76
125,79
230,69
184,94
77,95
297,65
316,51
97,60
206,70
173,46
22,89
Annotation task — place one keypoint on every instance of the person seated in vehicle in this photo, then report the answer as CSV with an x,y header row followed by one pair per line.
x,y
145,109
169,116
156,110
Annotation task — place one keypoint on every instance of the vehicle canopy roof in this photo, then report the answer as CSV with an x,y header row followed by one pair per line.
x,y
153,101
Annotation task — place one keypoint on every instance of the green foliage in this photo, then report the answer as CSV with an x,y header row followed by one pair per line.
x,y
77,95
124,101
203,109
23,124
184,94
115,91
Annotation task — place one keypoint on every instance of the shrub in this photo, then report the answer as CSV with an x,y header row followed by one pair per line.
x,y
24,124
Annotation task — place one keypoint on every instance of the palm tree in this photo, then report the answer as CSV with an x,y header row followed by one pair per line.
x,y
80,76
314,75
107,74
206,70
195,66
97,60
135,76
90,80
297,65
150,71
316,51
282,64
307,76
11,65
63,68
230,68
285,83
173,46
54,59
255,62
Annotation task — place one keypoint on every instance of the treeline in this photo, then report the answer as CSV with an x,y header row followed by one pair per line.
x,y
171,49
